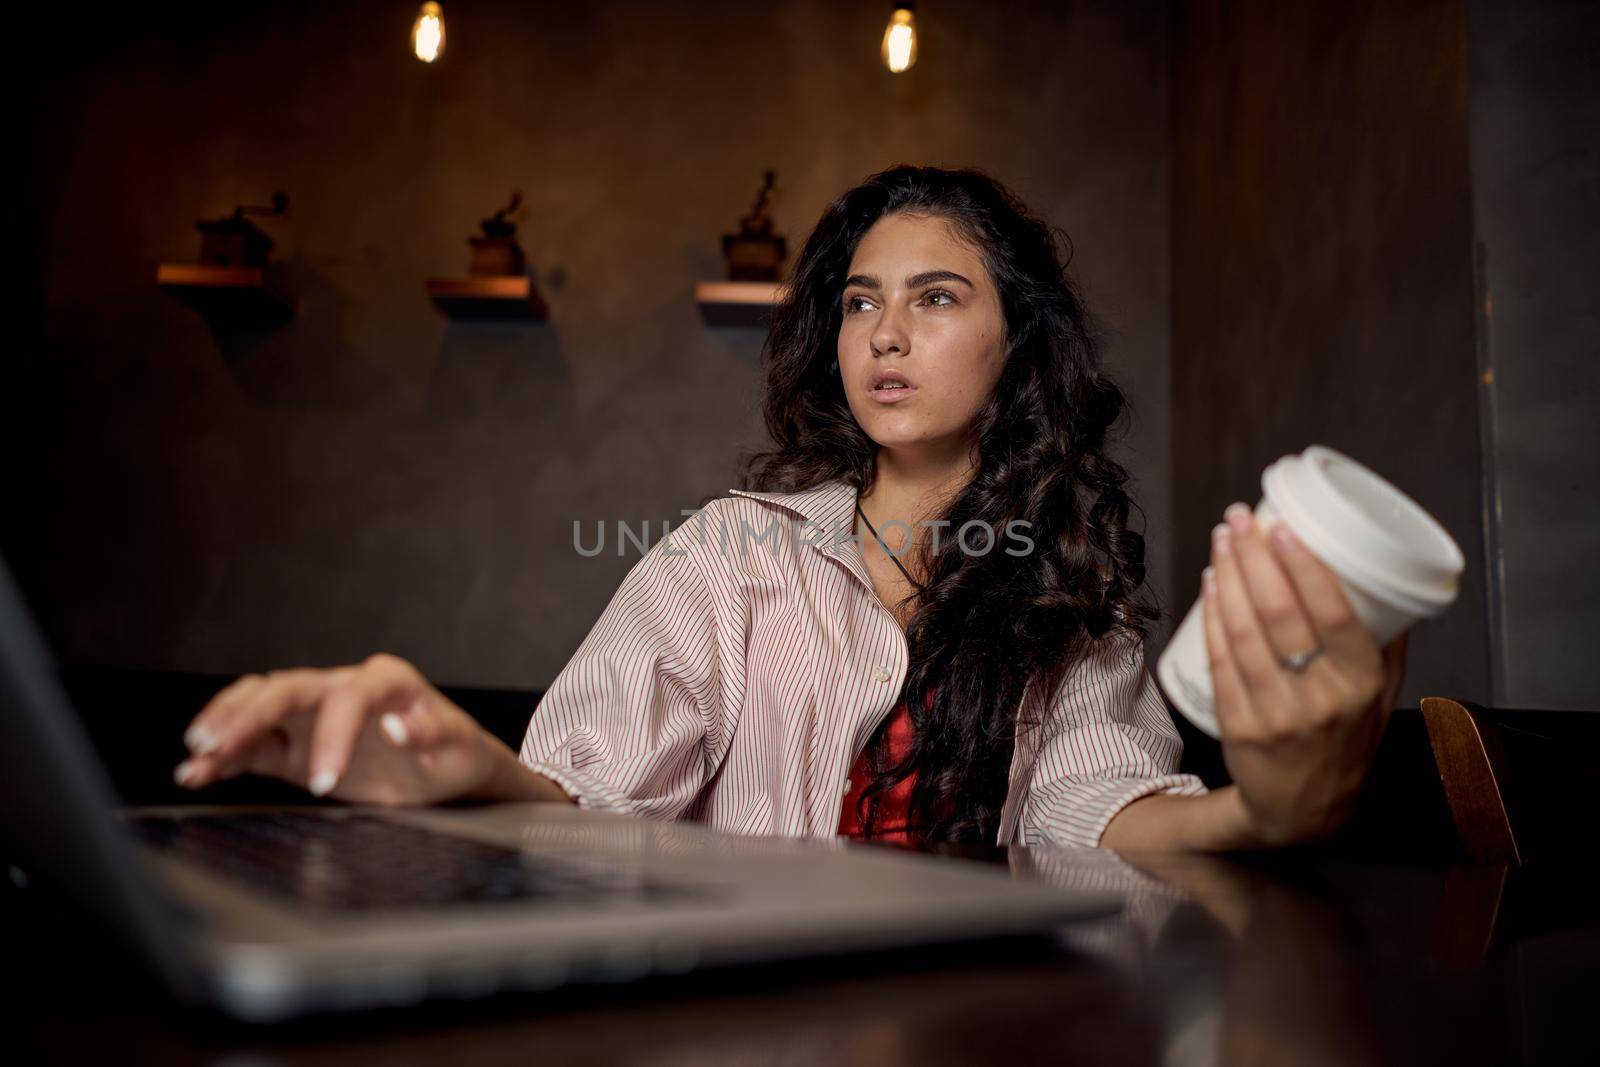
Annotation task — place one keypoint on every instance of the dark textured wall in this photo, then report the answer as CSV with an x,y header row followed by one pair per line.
x,y
373,477
1535,96
1322,273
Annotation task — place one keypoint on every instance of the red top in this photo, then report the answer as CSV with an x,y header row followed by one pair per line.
x,y
893,806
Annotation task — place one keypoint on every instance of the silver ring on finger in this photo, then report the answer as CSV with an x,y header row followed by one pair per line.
x,y
1299,661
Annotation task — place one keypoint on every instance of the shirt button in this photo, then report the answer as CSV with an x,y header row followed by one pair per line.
x,y
880,674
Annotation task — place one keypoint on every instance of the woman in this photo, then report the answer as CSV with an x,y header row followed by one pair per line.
x,y
965,661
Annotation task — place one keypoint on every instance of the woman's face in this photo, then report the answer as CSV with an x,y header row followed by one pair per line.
x,y
919,304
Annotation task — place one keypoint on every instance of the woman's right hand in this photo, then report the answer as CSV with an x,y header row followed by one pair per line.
x,y
374,733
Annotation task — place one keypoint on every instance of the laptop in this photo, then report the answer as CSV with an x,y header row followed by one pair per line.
x,y
270,912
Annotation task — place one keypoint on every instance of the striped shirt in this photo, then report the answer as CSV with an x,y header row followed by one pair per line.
x,y
746,659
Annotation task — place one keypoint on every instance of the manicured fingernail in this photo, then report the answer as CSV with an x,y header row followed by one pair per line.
x,y
200,740
1282,537
183,772
1221,535
1208,579
1238,516
395,728
322,783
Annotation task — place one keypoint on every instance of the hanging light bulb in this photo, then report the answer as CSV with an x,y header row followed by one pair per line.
x,y
427,33
900,38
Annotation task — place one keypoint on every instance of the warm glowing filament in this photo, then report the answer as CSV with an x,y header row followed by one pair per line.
x,y
900,41
427,35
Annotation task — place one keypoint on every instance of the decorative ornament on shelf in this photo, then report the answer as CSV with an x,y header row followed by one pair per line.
x,y
755,258
497,251
235,241
755,253
497,286
900,38
233,277
427,33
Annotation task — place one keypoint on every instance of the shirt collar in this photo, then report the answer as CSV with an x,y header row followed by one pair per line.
x,y
831,505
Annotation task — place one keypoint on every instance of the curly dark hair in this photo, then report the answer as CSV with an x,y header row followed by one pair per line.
x,y
984,627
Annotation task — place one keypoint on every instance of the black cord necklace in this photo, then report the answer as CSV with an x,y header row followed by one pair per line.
x,y
886,549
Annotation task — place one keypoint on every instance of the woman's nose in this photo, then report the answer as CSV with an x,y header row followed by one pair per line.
x,y
888,335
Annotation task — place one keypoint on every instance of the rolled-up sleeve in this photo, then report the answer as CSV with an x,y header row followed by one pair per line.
x,y
629,724
1107,741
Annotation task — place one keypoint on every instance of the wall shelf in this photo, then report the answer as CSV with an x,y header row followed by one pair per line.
x,y
242,292
736,303
509,296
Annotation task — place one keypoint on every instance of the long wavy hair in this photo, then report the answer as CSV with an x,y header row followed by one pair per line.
x,y
983,627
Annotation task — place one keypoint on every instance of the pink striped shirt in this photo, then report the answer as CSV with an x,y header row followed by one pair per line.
x,y
746,659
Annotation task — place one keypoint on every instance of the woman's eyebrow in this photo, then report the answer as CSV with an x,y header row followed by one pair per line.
x,y
927,277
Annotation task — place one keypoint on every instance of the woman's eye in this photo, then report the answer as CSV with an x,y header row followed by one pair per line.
x,y
949,298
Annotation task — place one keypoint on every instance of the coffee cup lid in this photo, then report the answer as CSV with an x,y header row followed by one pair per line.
x,y
1369,532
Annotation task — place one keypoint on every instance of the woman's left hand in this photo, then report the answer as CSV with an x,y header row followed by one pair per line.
x,y
1297,744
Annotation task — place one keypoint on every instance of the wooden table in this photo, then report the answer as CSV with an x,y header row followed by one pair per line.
x,y
1289,958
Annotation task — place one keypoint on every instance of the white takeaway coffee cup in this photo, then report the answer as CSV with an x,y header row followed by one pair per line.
x,y
1393,560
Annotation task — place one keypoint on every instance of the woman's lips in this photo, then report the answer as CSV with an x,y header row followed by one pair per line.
x,y
891,396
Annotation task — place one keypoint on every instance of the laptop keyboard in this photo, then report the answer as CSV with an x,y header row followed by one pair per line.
x,y
367,863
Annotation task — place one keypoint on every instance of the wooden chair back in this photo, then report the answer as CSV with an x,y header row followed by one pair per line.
x,y
1476,775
